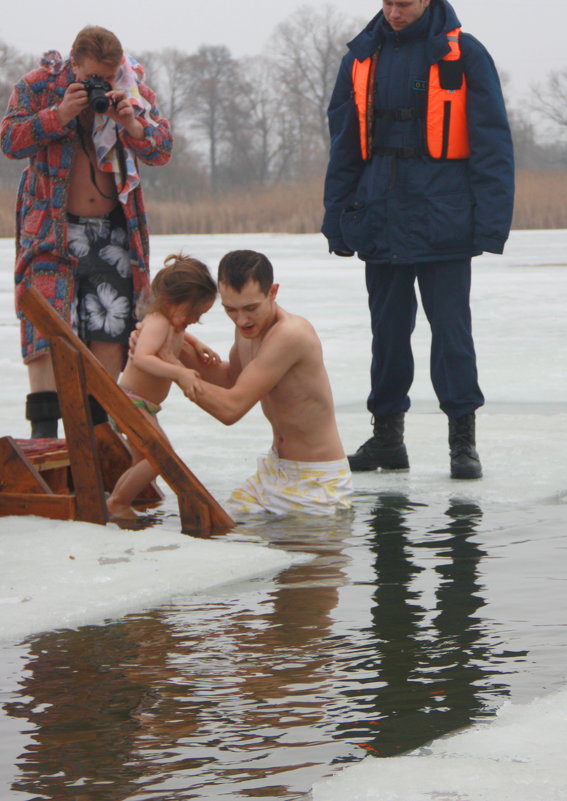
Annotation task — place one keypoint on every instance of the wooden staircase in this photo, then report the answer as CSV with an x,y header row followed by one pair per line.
x,y
67,479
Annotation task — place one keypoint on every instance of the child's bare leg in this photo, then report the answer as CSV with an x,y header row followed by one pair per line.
x,y
132,481
137,457
128,487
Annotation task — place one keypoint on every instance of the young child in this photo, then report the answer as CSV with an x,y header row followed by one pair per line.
x,y
181,293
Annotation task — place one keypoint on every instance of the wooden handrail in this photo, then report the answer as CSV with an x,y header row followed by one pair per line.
x,y
199,511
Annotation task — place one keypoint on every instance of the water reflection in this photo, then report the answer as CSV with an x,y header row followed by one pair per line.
x,y
254,692
432,668
216,698
78,693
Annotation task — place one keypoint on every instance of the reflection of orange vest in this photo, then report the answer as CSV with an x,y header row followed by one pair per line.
x,y
446,134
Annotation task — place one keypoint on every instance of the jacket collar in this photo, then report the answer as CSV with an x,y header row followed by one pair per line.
x,y
436,22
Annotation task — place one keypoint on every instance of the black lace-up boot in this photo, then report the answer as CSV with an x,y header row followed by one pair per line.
x,y
42,410
385,448
465,462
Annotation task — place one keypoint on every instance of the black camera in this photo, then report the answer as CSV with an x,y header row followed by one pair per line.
x,y
97,88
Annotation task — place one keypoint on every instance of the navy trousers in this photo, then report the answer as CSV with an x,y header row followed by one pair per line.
x,y
445,296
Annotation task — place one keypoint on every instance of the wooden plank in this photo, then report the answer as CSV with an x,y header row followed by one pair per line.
x,y
17,473
83,459
35,447
199,510
52,462
55,507
133,423
44,454
58,479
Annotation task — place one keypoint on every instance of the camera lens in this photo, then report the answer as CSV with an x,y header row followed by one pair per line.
x,y
99,103
97,88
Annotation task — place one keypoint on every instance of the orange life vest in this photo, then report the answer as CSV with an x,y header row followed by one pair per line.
x,y
446,133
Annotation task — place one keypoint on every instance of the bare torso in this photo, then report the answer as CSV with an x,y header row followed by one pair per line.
x,y
83,197
300,407
152,387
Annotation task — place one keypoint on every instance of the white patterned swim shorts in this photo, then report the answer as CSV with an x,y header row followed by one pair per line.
x,y
283,486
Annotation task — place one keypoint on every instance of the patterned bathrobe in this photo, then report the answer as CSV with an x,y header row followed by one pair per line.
x,y
31,129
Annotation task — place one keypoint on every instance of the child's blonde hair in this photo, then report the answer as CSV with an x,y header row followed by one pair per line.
x,y
183,279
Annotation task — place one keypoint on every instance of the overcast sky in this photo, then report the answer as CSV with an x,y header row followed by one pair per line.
x,y
527,40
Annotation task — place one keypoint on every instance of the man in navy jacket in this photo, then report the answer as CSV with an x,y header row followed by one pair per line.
x,y
416,187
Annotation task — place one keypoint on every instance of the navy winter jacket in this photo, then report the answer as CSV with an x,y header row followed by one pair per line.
x,y
409,210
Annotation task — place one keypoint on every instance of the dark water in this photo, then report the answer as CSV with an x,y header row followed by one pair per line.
x,y
379,644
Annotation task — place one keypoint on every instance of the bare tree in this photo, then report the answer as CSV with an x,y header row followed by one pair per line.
x,y
264,118
12,66
212,80
185,174
167,73
307,49
550,100
257,129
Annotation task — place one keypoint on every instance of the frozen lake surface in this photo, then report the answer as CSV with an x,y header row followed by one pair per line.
x,y
306,658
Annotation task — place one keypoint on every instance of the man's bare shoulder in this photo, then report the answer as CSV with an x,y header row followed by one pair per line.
x,y
292,328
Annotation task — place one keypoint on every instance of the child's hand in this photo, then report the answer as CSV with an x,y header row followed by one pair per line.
x,y
133,340
205,353
189,383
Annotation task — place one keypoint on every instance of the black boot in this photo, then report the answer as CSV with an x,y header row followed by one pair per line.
x,y
385,448
465,462
42,410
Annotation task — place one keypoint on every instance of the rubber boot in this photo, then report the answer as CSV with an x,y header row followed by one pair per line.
x,y
385,448
42,410
465,462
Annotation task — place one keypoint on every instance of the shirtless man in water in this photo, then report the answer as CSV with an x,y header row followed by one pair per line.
x,y
82,239
277,360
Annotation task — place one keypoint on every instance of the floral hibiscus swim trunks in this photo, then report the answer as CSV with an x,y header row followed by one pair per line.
x,y
102,310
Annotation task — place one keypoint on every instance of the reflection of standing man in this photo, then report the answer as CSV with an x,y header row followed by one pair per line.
x,y
420,179
434,670
81,232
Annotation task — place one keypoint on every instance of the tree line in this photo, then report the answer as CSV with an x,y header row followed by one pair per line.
x,y
252,123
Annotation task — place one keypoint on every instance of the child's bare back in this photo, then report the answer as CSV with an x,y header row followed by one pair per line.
x,y
148,371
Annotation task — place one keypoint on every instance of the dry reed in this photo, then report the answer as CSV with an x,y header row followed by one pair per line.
x,y
541,199
285,208
7,213
541,202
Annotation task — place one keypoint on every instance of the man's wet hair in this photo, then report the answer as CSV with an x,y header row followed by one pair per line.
x,y
240,266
